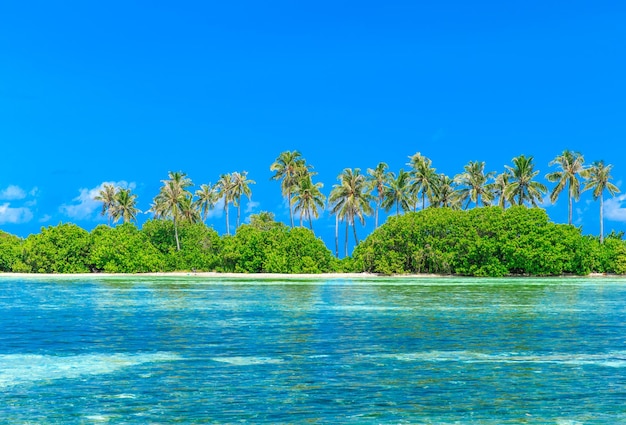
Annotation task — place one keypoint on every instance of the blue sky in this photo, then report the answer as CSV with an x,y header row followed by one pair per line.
x,y
94,92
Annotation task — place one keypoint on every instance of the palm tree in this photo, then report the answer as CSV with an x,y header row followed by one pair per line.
x,y
225,188
445,193
240,186
125,206
398,192
598,178
522,186
308,199
571,164
474,187
107,196
188,210
379,178
499,188
168,202
207,196
350,199
287,167
424,177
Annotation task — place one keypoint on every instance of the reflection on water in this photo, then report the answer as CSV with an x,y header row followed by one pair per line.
x,y
445,351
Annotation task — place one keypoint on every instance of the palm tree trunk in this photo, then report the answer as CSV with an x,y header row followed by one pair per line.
x,y
226,211
376,217
290,210
356,239
176,234
601,220
310,220
337,235
238,215
346,241
569,209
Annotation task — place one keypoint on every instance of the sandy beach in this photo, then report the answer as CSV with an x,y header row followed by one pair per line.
x,y
216,275
266,276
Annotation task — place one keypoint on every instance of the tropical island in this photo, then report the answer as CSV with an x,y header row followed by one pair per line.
x,y
476,223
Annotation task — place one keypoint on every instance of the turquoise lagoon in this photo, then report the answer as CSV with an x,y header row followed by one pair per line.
x,y
314,351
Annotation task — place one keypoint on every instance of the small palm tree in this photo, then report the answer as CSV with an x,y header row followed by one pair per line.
x,y
445,193
125,206
240,187
206,199
522,186
107,196
288,167
499,188
225,189
571,164
474,186
598,178
398,192
188,210
167,204
308,199
350,200
379,179
424,177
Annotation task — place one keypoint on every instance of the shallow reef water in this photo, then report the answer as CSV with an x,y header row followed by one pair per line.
x,y
354,351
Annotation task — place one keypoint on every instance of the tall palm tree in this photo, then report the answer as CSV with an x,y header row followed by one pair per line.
x,y
287,167
125,206
397,193
499,188
424,177
379,179
240,187
350,199
445,193
308,199
168,202
206,199
598,178
474,185
107,197
571,164
225,187
522,186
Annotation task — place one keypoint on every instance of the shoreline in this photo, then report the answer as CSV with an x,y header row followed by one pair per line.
x,y
283,276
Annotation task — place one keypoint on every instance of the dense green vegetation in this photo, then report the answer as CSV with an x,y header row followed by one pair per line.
x,y
488,241
505,233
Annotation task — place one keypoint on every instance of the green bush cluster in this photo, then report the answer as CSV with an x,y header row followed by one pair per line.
x,y
66,248
485,241
276,250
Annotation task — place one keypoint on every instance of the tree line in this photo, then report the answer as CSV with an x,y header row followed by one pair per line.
x,y
177,210
358,195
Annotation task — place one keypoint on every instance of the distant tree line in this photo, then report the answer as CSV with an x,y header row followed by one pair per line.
x,y
505,233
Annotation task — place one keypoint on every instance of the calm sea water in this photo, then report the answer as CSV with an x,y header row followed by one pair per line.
x,y
441,351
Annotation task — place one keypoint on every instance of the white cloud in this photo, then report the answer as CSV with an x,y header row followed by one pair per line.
x,y
13,215
218,210
46,218
251,207
12,192
545,201
84,205
613,209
